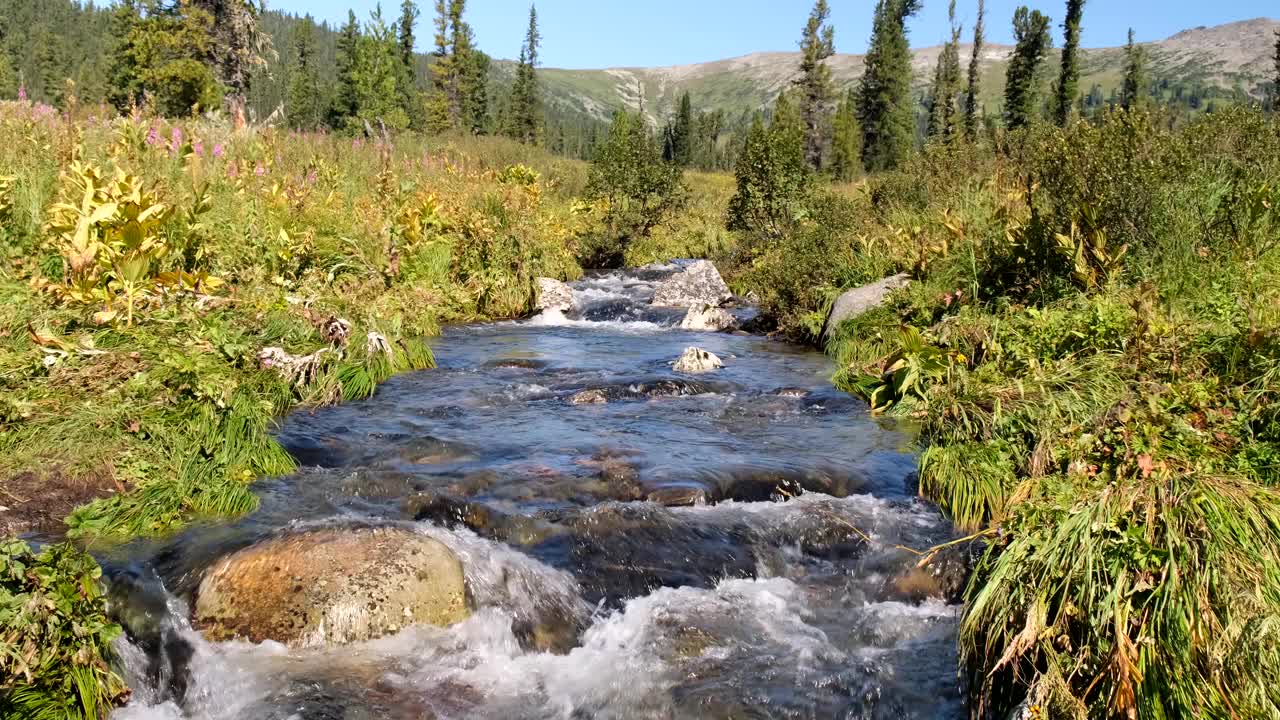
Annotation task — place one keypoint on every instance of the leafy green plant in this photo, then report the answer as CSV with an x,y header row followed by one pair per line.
x,y
1094,261
55,641
906,373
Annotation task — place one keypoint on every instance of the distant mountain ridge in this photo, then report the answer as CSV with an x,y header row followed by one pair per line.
x,y
1230,59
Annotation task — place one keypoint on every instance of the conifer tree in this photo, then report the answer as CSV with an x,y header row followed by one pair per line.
x,y
816,45
1135,75
846,140
524,115
459,98
773,176
378,73
165,56
303,106
975,75
943,113
885,108
439,102
240,47
405,42
678,147
1031,31
345,104
1275,90
1069,79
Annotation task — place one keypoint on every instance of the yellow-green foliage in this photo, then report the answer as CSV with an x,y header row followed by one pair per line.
x,y
158,259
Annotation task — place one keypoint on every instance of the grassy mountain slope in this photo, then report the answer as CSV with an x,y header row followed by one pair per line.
x,y
1223,58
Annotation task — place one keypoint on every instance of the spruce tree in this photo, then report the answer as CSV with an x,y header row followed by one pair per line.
x,y
345,104
975,75
885,108
409,71
846,140
816,45
240,47
303,105
1135,75
459,98
773,176
678,147
1031,31
1275,90
524,115
946,85
440,104
1069,79
377,76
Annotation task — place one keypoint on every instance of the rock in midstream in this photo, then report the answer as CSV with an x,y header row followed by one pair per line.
x,y
708,319
697,360
330,587
642,389
554,295
697,285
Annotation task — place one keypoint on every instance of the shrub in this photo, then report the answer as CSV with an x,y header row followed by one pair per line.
x,y
774,180
636,187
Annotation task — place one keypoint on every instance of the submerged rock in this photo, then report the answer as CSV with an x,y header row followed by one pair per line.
x,y
554,295
697,285
945,576
697,360
708,319
857,301
330,587
643,389
678,496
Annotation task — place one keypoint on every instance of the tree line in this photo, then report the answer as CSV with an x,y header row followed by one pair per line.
x,y
180,56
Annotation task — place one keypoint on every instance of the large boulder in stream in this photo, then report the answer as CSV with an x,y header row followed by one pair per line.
x,y
554,295
331,586
857,301
697,285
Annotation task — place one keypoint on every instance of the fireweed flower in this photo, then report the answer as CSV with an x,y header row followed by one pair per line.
x,y
260,170
22,93
153,136
197,147
217,150
175,140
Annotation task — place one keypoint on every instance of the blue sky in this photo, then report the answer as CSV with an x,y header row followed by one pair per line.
x,y
613,33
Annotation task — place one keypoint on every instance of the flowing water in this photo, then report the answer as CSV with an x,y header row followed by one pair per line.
x,y
719,546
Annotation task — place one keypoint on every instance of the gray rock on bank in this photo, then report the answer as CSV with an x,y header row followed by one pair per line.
x,y
857,301
331,587
697,285
704,318
554,295
697,360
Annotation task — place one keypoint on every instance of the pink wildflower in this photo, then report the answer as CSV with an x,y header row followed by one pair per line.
x,y
217,150
260,170
22,93
153,136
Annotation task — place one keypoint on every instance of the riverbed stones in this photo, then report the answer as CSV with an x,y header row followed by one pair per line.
x,y
857,301
697,360
554,295
697,285
705,318
331,586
